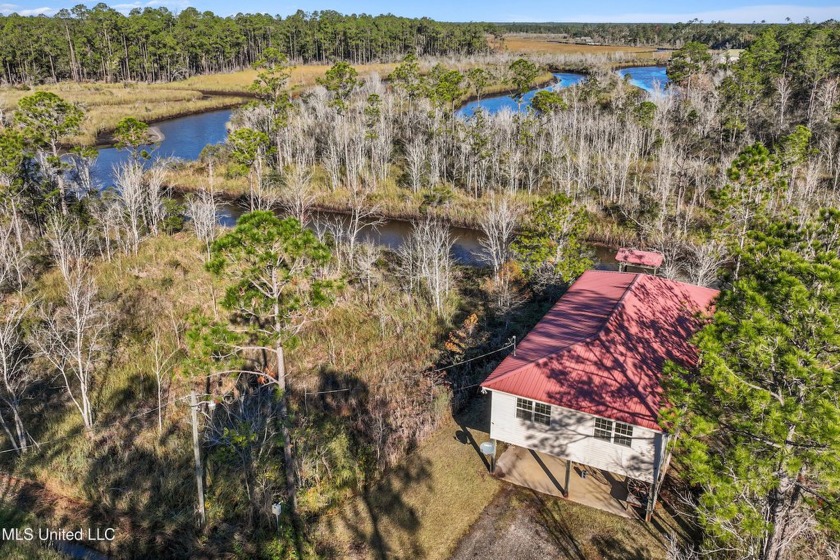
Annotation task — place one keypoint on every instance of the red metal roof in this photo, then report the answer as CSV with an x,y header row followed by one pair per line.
x,y
602,347
639,258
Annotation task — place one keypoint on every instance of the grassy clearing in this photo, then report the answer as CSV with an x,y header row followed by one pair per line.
x,y
106,104
553,44
301,77
421,508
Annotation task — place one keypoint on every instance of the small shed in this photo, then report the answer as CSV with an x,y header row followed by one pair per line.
x,y
646,260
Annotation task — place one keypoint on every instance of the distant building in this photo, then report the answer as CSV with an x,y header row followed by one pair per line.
x,y
648,260
584,384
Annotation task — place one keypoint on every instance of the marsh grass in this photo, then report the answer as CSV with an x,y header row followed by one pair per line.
x,y
553,44
106,104
301,77
129,473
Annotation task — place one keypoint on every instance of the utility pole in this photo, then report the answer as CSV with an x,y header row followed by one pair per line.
x,y
199,472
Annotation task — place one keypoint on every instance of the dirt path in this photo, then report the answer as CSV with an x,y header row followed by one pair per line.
x,y
524,525
505,532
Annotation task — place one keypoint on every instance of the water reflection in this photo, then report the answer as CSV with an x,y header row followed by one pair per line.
x,y
183,138
648,78
466,248
497,103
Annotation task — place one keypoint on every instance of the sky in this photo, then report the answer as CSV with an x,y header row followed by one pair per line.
x,y
490,10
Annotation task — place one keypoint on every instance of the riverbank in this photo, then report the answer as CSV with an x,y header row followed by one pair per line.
x,y
497,90
395,203
106,104
156,135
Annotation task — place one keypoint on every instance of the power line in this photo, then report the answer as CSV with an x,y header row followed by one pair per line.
x,y
62,438
306,393
383,383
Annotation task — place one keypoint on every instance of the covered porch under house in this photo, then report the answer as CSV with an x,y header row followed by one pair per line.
x,y
575,482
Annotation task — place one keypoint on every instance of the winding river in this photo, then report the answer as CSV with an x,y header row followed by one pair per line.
x,y
496,103
648,78
186,137
183,138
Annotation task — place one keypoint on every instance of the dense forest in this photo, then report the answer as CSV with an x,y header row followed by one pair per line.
x,y
154,44
101,43
180,378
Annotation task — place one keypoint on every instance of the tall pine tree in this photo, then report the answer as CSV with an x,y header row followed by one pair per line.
x,y
759,422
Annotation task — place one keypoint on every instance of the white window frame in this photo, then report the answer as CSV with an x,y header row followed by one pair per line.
x,y
533,411
542,413
618,433
603,429
623,434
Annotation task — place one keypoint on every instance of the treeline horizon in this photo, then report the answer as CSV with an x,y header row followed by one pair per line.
x,y
155,44
158,45
715,34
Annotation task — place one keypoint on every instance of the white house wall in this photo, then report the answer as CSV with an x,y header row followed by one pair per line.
x,y
571,436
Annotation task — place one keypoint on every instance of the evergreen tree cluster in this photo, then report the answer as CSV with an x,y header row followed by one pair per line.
x,y
154,44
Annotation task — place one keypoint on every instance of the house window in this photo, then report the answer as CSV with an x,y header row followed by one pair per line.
x,y
623,434
542,413
618,432
524,409
533,411
603,429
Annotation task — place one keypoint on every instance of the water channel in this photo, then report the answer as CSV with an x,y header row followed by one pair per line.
x,y
496,103
648,78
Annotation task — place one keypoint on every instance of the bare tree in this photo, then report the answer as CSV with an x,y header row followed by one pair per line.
x,y
71,336
156,192
705,261
264,194
109,214
202,210
415,157
672,252
426,261
17,377
298,196
784,89
364,265
498,225
13,258
129,181
675,551
162,370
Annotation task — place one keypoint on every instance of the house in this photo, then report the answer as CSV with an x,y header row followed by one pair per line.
x,y
584,384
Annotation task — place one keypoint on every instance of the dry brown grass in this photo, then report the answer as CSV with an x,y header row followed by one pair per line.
x,y
106,104
552,44
422,507
302,76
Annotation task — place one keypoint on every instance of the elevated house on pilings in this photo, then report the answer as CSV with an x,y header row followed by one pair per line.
x,y
578,403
